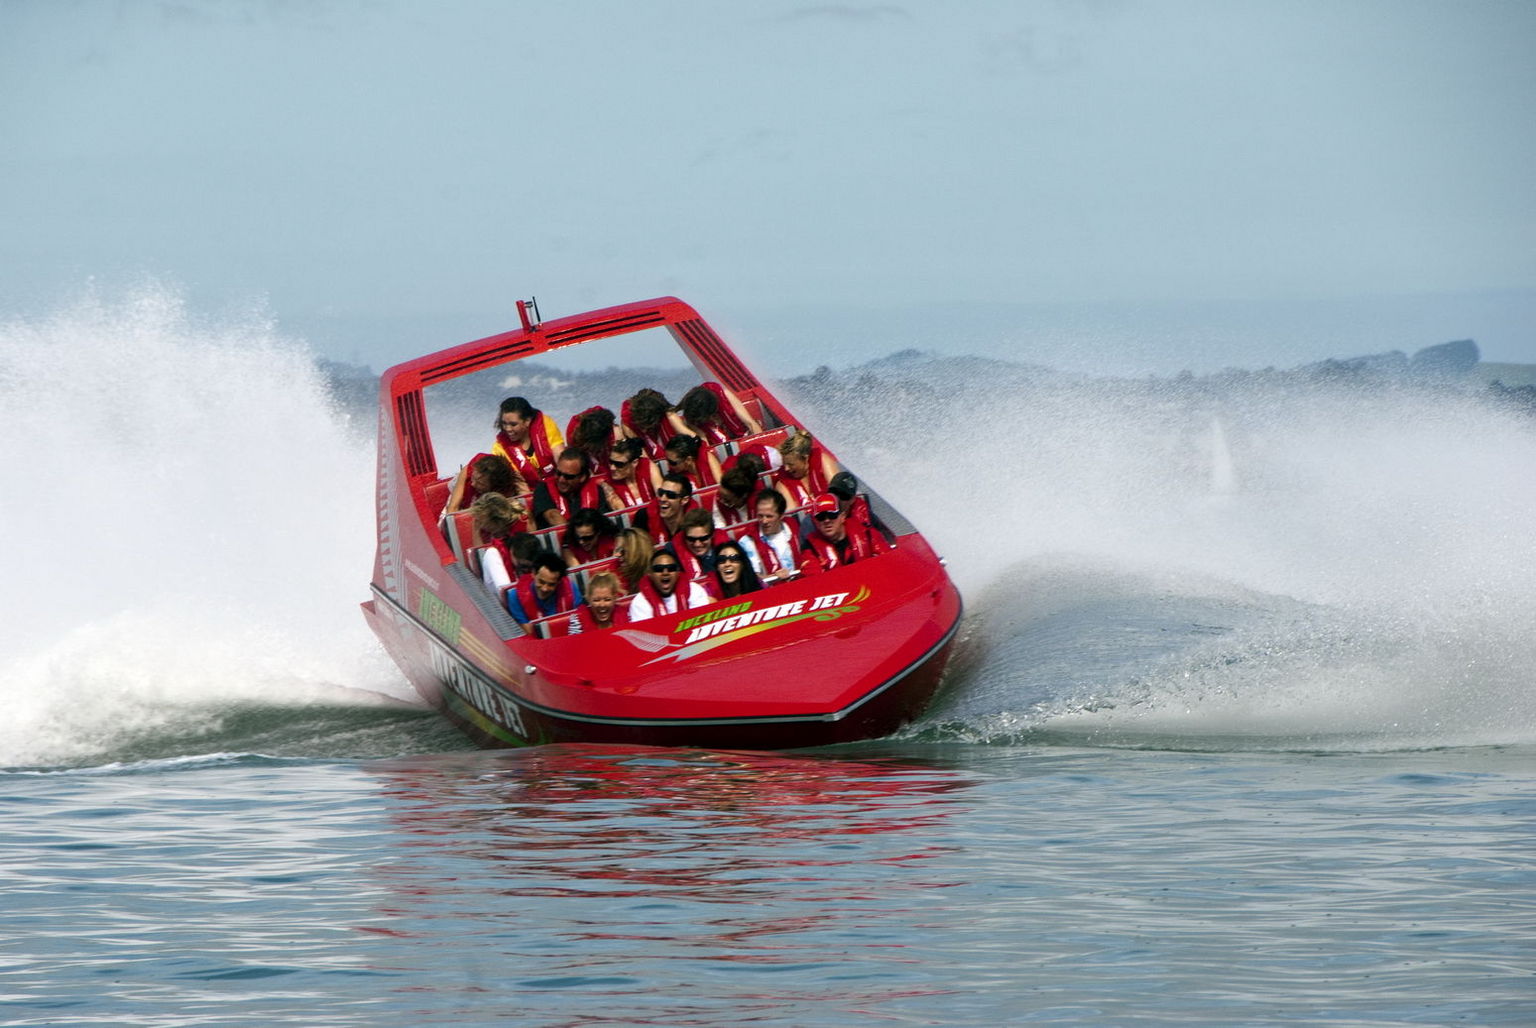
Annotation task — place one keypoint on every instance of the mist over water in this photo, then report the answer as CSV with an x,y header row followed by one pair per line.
x,y
1222,563
1250,561
188,526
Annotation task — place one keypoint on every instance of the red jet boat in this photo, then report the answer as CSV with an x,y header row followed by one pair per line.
x,y
849,653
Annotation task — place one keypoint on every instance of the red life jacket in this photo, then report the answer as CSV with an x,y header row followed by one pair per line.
x,y
603,550
703,473
803,490
772,563
655,442
863,543
726,516
692,569
581,619
521,596
680,595
565,503
634,493
726,425
650,519
544,441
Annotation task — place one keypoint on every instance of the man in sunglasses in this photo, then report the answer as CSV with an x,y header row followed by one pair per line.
x,y
837,540
664,517
663,590
695,545
558,497
627,482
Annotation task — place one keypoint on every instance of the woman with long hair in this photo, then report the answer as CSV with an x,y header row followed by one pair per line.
x,y
633,548
733,571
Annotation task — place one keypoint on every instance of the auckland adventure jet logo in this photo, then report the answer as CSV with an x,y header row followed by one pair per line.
x,y
741,620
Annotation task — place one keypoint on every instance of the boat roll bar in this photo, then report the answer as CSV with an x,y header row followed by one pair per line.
x,y
523,306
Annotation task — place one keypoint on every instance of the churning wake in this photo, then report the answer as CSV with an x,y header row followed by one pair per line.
x,y
1247,560
188,530
1289,559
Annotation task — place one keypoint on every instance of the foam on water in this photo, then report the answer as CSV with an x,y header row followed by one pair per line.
x,y
1383,534
188,527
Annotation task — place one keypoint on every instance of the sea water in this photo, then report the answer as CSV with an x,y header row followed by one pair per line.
x,y
1241,728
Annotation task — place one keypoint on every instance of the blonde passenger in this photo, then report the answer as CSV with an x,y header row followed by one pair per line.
x,y
807,469
633,548
601,611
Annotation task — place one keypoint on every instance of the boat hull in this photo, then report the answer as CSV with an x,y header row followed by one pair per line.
x,y
491,713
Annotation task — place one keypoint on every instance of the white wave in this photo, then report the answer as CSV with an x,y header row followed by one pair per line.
x,y
1403,515
188,522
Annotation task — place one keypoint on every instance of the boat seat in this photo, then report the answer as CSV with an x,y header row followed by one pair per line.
x,y
437,494
459,529
736,531
754,407
625,518
493,570
584,572
766,441
550,627
551,538
559,625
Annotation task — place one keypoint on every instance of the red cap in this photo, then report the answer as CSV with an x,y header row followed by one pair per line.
x,y
823,503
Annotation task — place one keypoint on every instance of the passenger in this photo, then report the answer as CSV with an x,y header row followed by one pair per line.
x,y
485,473
594,431
645,416
557,497
528,438
546,592
627,483
759,456
772,544
715,414
516,553
633,548
695,545
733,571
846,488
498,521
687,456
663,591
838,540
734,497
664,517
601,611
588,537
807,469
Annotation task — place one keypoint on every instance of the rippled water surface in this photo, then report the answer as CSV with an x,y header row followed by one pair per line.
x,y
916,884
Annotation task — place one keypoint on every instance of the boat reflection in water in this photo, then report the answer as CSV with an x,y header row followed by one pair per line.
x,y
580,863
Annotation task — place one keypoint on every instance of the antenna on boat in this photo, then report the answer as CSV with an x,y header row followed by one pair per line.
x,y
523,306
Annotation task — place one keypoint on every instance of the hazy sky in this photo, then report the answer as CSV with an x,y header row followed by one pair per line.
x,y
403,158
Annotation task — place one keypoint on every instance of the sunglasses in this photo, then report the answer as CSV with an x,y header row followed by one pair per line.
x,y
731,558
671,494
570,476
665,569
615,463
698,538
586,540
828,515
